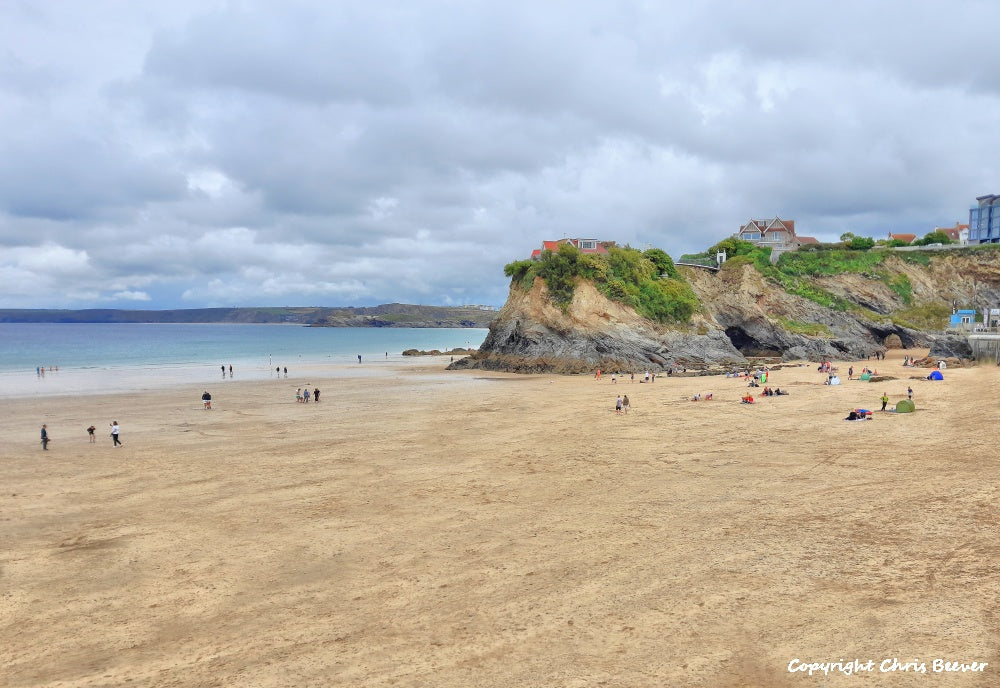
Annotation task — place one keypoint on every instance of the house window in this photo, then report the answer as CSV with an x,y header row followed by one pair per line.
x,y
588,245
752,236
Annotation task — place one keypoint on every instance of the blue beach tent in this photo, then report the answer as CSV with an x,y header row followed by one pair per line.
x,y
935,375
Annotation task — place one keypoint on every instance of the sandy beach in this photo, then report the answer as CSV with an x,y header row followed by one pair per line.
x,y
425,528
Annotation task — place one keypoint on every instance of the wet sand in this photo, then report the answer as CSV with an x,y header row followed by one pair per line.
x,y
478,529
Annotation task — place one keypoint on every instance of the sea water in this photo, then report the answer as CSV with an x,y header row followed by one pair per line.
x,y
81,358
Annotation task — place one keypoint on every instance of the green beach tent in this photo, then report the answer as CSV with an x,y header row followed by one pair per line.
x,y
865,377
905,406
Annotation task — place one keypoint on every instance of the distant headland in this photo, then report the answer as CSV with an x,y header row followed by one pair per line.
x,y
386,315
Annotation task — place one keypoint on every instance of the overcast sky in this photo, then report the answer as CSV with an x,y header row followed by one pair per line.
x,y
199,153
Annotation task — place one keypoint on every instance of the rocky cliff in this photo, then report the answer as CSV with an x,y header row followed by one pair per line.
x,y
744,314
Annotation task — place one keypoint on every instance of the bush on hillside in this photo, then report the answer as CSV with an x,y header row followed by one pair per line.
x,y
624,274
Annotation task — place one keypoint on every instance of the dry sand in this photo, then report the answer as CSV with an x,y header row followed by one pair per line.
x,y
475,529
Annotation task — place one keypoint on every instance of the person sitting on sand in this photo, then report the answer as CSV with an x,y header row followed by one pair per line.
x,y
747,399
696,397
853,415
779,393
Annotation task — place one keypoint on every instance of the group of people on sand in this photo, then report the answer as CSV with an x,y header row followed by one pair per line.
x,y
776,392
115,432
647,377
865,370
302,395
622,404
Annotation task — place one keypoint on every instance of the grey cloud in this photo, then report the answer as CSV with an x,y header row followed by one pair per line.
x,y
259,153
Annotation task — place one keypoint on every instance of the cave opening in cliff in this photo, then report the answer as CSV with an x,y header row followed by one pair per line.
x,y
881,333
748,345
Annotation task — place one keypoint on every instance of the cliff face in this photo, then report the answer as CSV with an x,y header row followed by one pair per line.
x,y
743,314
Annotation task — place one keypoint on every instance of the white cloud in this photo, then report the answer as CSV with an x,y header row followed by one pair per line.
x,y
130,296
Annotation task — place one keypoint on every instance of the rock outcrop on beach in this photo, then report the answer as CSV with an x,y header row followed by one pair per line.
x,y
743,315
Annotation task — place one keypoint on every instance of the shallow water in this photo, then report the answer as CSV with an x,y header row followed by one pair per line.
x,y
100,358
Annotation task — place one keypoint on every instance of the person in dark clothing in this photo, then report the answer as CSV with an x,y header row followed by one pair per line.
x,y
316,395
45,438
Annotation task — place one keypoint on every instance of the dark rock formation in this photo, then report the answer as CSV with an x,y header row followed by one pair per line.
x,y
742,316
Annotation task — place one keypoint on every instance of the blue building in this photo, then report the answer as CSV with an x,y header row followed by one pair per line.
x,y
984,221
964,318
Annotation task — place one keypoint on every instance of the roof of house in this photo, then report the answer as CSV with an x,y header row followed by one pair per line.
x,y
807,240
908,238
773,225
952,232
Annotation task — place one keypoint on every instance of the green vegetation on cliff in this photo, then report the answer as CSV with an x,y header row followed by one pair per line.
x,y
645,280
794,270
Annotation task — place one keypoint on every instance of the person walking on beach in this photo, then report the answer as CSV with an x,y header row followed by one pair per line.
x,y
305,396
114,434
909,393
45,438
359,358
286,371
885,400
90,431
316,395
625,404
206,399
223,372
230,370
618,404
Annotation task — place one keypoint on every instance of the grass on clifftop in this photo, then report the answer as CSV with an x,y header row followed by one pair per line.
x,y
645,280
793,270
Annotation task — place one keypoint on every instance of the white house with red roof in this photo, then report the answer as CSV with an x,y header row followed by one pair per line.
x,y
959,233
585,246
